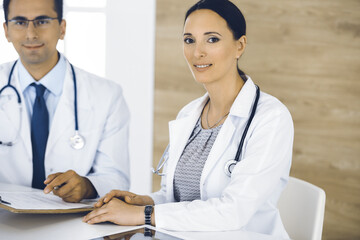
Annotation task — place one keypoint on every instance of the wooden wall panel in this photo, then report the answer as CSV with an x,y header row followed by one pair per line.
x,y
307,54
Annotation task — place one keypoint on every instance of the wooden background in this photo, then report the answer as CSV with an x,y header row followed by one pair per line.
x,y
307,54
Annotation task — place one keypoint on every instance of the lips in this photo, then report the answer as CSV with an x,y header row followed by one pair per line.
x,y
33,45
202,67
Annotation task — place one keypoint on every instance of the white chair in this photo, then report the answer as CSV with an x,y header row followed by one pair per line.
x,y
302,207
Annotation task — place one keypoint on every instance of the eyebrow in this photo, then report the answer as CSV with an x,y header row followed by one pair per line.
x,y
24,18
207,33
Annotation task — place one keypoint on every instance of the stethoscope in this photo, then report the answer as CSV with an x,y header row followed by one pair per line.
x,y
229,165
76,142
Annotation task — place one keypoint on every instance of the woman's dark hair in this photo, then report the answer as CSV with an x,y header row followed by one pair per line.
x,y
58,7
229,12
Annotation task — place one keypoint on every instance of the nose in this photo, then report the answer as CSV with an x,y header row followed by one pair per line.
x,y
31,32
200,50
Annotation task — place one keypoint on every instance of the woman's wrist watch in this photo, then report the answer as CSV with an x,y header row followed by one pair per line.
x,y
148,211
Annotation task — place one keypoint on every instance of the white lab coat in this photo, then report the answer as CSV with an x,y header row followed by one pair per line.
x,y
103,121
248,199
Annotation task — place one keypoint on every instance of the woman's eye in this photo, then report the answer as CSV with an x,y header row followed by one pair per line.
x,y
213,40
188,40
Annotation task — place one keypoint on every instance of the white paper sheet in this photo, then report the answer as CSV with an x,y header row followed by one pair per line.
x,y
41,201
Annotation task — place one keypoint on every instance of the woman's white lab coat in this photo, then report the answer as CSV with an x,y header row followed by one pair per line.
x,y
246,200
103,121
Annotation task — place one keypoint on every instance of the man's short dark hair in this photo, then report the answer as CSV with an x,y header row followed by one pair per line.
x,y
58,7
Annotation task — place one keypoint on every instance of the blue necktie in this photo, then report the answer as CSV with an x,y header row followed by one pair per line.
x,y
39,136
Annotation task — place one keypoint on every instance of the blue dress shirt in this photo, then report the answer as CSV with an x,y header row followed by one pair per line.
x,y
53,81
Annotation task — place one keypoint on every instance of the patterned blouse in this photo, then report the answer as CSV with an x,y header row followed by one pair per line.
x,y
189,168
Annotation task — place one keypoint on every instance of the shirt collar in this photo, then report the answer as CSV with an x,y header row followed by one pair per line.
x,y
53,80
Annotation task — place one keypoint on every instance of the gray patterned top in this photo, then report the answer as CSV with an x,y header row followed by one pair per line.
x,y
189,168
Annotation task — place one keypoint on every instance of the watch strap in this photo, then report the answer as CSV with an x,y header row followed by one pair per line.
x,y
148,211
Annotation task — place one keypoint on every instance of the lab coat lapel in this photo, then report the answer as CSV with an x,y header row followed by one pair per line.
x,y
220,145
12,112
179,132
64,118
25,125
240,109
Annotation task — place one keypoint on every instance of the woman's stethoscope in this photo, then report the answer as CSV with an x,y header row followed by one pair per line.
x,y
77,141
229,165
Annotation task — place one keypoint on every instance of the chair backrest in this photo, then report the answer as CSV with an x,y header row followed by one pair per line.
x,y
302,207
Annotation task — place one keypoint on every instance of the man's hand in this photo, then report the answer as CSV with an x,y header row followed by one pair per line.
x,y
70,186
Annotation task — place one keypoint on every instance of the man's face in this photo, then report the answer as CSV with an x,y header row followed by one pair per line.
x,y
35,45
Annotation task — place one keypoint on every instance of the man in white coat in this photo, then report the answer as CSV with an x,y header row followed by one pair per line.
x,y
57,103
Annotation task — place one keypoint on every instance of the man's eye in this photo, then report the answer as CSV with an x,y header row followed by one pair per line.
x,y
188,40
213,40
42,22
20,23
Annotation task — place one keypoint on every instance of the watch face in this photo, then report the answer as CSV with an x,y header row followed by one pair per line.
x,y
148,209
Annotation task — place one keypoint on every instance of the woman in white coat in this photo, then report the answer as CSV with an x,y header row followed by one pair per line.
x,y
196,193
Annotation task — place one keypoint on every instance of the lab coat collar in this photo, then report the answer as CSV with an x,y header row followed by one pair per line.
x,y
244,100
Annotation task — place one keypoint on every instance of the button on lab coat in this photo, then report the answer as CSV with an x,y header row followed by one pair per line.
x,y
103,121
246,200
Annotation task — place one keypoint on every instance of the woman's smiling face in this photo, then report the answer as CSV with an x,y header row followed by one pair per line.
x,y
209,46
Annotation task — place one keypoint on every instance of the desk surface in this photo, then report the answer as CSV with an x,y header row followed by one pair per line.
x,y
70,226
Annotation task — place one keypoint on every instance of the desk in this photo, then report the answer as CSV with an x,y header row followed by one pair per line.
x,y
70,226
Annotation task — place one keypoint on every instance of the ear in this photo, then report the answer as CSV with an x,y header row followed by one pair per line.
x,y
62,29
6,32
241,45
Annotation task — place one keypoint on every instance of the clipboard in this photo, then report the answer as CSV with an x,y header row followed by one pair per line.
x,y
36,202
45,211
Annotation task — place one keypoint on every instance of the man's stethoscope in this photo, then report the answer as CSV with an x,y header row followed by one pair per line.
x,y
229,165
77,141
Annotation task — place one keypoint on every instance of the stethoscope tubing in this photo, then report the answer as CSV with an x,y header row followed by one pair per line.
x,y
75,99
239,150
19,98
241,144
11,86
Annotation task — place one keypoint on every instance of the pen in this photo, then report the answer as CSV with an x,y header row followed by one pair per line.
x,y
59,186
3,201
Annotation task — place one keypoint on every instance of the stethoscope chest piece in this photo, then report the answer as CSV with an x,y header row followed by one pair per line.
x,y
229,167
77,141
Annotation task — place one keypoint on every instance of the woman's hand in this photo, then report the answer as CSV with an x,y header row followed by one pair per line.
x,y
127,197
118,212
